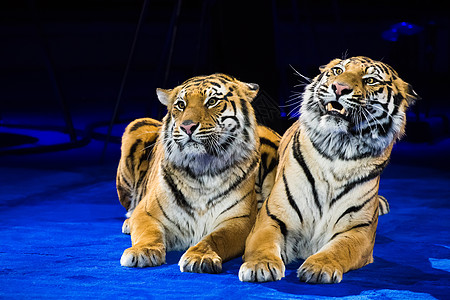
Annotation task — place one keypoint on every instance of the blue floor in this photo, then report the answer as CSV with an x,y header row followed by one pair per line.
x,y
60,223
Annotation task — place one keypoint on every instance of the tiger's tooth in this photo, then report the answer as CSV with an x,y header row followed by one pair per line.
x,y
329,107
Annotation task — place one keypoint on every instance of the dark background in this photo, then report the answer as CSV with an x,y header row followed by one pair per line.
x,y
62,67
64,62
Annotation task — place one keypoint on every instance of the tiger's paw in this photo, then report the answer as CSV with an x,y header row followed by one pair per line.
x,y
200,262
126,226
262,271
141,257
318,268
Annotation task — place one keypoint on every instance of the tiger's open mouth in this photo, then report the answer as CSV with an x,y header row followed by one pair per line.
x,y
334,108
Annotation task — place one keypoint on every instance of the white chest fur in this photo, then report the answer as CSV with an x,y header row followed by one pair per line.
x,y
322,190
194,207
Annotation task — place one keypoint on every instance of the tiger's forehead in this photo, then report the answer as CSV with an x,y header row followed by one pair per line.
x,y
365,66
204,88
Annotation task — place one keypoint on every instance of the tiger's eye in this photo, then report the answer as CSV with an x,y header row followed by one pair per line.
x,y
370,80
212,101
337,71
180,105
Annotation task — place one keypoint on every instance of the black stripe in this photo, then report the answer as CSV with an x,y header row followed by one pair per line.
x,y
235,203
224,76
123,179
224,108
383,204
222,119
179,197
232,218
245,111
300,160
280,223
195,79
139,124
145,155
356,208
141,183
130,158
386,70
268,142
291,199
167,217
223,81
166,127
234,107
133,149
266,168
236,183
349,186
354,227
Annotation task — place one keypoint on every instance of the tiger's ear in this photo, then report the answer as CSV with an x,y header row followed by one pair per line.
x,y
322,68
253,89
411,95
163,96
406,91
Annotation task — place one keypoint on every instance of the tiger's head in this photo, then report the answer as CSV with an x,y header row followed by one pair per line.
x,y
355,108
210,123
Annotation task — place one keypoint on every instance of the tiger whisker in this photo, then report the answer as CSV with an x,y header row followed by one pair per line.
x,y
291,104
374,118
301,75
292,112
368,123
149,146
381,109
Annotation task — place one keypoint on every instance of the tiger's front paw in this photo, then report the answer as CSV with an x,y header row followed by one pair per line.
x,y
319,268
146,256
197,261
262,271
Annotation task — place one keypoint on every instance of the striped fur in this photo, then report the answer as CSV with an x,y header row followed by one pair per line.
x,y
324,205
189,181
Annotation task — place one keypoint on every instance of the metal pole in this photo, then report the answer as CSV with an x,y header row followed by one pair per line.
x,y
125,75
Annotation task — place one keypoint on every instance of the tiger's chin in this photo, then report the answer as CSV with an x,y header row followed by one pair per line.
x,y
193,148
331,124
197,160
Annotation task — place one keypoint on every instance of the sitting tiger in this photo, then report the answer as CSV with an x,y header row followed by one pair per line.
x,y
324,205
191,180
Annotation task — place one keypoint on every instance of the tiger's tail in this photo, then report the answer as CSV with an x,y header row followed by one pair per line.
x,y
269,143
383,206
138,143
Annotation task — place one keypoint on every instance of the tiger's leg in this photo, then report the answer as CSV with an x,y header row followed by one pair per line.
x,y
227,241
147,237
346,251
262,257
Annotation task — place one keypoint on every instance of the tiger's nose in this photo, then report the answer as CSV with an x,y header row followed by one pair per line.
x,y
341,89
189,127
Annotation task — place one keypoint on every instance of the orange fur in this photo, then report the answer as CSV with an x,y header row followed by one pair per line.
x,y
195,192
324,205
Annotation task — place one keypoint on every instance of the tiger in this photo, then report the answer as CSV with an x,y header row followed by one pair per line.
x,y
324,205
195,180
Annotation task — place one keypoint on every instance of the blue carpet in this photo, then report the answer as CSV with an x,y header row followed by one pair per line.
x,y
60,223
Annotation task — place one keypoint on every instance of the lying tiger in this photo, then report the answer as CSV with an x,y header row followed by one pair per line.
x,y
194,181
324,205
